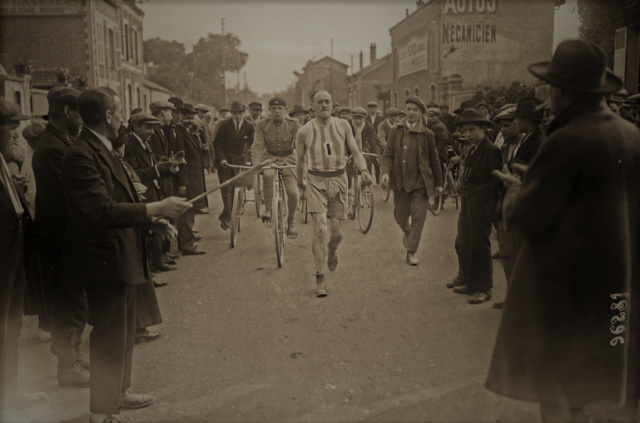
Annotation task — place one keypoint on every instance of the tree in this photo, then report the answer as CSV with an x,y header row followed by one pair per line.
x,y
600,19
163,52
517,90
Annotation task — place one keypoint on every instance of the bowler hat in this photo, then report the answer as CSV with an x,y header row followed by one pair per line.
x,y
372,104
11,111
177,102
161,105
298,108
529,108
578,65
237,106
507,114
142,118
473,116
255,105
188,109
358,111
33,132
463,106
201,108
417,101
392,111
59,97
277,101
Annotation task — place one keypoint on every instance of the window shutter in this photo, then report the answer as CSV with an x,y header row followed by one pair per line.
x,y
117,47
100,42
620,52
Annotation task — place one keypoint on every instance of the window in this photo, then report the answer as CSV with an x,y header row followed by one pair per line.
x,y
145,103
135,47
112,49
138,96
432,93
130,98
416,92
126,43
100,43
395,100
17,98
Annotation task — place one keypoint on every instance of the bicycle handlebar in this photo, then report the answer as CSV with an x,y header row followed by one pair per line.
x,y
274,166
239,166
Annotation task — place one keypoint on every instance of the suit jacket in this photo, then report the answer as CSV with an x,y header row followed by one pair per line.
x,y
194,168
10,234
578,213
232,147
50,224
478,177
140,160
273,142
529,146
105,239
376,122
428,161
175,143
370,140
383,133
160,146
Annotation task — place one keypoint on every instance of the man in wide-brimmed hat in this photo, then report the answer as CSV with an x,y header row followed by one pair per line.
x,y
569,335
345,113
300,113
232,144
480,190
410,165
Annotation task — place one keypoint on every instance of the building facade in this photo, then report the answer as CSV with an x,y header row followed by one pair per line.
x,y
80,43
373,82
446,48
326,74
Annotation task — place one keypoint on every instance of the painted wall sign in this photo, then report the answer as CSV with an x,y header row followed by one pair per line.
x,y
40,7
456,33
454,7
413,57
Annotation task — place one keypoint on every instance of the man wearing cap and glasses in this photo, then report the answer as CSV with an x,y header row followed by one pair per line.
x,y
569,334
255,112
13,219
232,144
321,145
410,165
69,309
274,139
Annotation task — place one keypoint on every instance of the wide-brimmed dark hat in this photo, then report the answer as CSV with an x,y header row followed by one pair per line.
x,y
529,108
298,108
463,106
188,109
578,65
237,106
418,101
177,102
634,100
474,116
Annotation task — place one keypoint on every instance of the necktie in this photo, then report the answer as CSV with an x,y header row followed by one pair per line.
x,y
11,189
133,176
148,148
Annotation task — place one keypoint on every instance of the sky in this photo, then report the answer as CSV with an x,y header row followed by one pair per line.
x,y
281,36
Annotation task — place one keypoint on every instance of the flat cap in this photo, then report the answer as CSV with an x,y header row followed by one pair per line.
x,y
344,109
277,101
509,113
161,105
372,104
432,105
11,111
201,107
33,132
359,111
141,118
59,97
417,101
434,112
255,105
392,111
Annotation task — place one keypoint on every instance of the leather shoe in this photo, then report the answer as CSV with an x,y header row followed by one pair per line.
x,y
193,251
413,261
129,400
146,335
464,290
499,305
321,290
480,297
167,260
224,225
165,268
332,259
159,284
458,280
172,256
266,215
73,376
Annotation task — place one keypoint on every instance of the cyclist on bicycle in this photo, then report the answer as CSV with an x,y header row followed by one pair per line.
x,y
274,139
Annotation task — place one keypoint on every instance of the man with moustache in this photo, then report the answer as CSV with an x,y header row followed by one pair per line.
x,y
69,309
104,249
386,126
321,147
255,113
274,140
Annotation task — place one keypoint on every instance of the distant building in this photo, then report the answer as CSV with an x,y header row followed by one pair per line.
x,y
373,82
326,73
445,48
154,92
80,43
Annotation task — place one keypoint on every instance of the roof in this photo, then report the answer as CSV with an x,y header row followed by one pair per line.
x,y
47,78
151,84
375,65
326,57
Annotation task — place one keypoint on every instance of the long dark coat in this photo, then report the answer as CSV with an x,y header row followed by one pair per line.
x,y
194,168
427,161
231,146
578,211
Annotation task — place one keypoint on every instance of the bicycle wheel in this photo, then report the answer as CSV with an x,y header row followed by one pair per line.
x,y
305,209
437,203
385,193
278,225
258,200
365,207
452,188
235,217
241,202
353,199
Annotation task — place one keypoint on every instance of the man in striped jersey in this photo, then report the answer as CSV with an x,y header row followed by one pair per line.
x,y
321,146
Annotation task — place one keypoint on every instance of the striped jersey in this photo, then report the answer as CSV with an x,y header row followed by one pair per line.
x,y
326,147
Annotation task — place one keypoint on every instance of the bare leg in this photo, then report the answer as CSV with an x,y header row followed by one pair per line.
x,y
319,241
335,229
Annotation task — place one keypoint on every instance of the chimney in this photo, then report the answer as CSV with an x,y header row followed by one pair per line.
x,y
419,4
406,12
372,53
361,60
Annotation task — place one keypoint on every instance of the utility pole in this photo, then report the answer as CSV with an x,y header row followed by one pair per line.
x,y
224,82
331,89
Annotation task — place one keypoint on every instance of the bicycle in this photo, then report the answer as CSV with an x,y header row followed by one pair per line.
x,y
362,203
237,210
449,189
258,198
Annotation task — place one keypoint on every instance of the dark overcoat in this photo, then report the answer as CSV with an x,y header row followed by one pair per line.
x,y
194,168
105,240
427,161
231,146
160,146
568,326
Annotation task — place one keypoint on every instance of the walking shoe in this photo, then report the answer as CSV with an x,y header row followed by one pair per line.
x,y
321,290
464,290
167,260
224,225
332,260
499,305
172,256
413,261
146,335
458,280
192,251
165,268
159,284
73,376
198,237
480,297
129,400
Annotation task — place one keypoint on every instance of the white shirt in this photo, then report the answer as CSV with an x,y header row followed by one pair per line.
x,y
238,125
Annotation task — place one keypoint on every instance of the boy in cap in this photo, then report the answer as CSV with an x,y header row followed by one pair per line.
x,y
386,126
